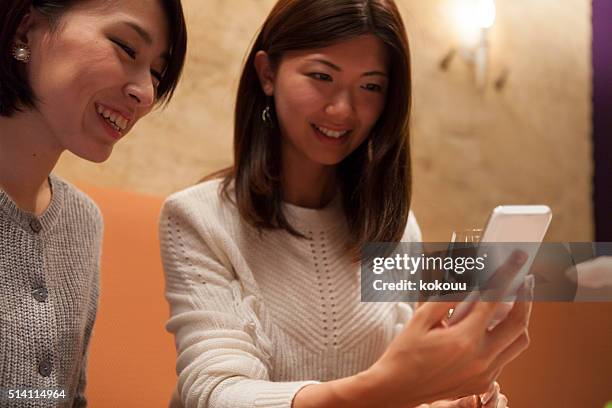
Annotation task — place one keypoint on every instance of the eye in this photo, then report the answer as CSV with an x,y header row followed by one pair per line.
x,y
126,48
320,76
157,76
373,87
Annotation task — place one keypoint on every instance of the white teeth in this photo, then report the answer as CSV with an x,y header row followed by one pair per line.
x,y
114,119
331,133
120,122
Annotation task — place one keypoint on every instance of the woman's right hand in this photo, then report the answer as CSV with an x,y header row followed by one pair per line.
x,y
430,362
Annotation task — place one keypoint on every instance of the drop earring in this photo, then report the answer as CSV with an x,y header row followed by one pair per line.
x,y
22,53
265,115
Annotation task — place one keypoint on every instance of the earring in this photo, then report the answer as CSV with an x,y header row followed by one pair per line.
x,y
266,116
22,53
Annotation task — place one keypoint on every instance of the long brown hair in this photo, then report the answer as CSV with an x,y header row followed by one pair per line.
x,y
375,179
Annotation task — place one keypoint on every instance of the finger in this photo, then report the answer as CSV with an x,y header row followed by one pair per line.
x,y
493,389
496,373
502,402
482,313
515,323
473,401
430,314
498,284
513,351
464,308
487,395
438,404
492,403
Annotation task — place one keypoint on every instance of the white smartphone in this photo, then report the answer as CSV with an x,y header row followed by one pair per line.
x,y
519,227
517,223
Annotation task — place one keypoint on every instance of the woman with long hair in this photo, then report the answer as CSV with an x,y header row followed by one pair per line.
x,y
260,259
74,76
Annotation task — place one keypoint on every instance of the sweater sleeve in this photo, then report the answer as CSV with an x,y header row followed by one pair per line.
x,y
223,354
412,236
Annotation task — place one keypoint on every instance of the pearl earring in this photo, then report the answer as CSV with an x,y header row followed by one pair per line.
x,y
22,53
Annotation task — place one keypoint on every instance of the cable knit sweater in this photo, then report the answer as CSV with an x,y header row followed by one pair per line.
x,y
48,296
257,316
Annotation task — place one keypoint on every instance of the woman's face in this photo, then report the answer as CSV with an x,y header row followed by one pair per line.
x,y
327,100
96,75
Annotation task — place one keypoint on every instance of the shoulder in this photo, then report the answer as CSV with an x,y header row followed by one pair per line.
x,y
199,200
78,205
202,208
199,225
412,232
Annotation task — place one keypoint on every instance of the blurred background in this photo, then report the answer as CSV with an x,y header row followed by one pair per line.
x,y
509,107
474,146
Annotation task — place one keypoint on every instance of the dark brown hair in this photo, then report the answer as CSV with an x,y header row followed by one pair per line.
x,y
15,90
375,179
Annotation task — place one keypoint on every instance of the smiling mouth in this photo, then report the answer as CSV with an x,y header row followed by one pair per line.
x,y
114,119
334,134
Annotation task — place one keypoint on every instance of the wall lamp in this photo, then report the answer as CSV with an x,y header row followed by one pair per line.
x,y
475,18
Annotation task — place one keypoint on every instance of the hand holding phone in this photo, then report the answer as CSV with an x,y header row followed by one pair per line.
x,y
510,230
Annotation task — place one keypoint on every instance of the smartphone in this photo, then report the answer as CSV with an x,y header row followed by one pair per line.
x,y
517,223
518,227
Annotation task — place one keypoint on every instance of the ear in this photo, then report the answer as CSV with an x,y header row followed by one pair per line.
x,y
30,20
264,72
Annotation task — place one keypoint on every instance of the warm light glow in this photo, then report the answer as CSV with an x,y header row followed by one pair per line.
x,y
470,17
484,13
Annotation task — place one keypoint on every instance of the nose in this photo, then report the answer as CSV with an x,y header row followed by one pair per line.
x,y
141,91
341,107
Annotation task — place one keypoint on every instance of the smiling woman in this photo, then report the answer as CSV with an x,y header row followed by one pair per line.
x,y
75,76
106,62
346,96
259,259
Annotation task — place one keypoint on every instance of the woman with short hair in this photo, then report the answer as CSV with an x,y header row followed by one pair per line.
x,y
74,76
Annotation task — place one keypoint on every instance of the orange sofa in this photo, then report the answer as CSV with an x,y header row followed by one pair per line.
x,y
132,357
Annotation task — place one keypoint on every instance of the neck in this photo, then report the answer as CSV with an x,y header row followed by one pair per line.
x,y
306,183
28,154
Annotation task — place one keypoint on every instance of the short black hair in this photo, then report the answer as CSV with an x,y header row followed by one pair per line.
x,y
15,90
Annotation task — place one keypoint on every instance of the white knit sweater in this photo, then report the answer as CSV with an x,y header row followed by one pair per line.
x,y
258,316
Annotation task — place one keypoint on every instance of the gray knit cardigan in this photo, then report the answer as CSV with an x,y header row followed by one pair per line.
x,y
49,276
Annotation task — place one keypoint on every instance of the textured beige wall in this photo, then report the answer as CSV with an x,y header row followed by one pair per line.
x,y
529,143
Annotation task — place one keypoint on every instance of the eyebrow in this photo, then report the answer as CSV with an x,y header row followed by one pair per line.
x,y
337,68
144,34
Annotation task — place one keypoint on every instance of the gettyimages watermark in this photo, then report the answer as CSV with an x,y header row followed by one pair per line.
x,y
411,271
